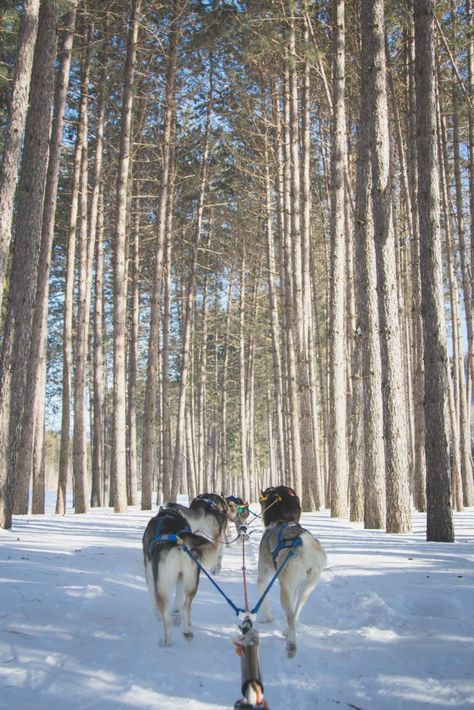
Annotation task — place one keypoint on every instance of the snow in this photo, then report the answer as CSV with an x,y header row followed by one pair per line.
x,y
389,626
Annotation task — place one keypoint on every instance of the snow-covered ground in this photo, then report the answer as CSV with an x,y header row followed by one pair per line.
x,y
389,626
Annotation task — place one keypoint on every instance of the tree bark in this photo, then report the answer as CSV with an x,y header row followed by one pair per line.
x,y
14,134
98,434
64,454
149,415
366,342
337,381
119,470
190,301
96,247
457,367
395,435
33,415
18,325
439,517
134,333
79,444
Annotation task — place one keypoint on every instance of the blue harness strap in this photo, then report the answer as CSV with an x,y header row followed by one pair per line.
x,y
203,569
169,537
283,544
271,583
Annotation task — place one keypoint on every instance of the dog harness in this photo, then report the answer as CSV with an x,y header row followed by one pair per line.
x,y
166,537
212,503
285,543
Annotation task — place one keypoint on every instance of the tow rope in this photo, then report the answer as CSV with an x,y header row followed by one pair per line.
x,y
247,645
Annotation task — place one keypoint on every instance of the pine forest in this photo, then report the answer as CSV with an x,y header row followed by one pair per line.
x,y
236,248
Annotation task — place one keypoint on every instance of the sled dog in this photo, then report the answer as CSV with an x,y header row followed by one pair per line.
x,y
285,539
169,567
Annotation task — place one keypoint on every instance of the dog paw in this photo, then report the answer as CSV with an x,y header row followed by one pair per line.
x,y
291,649
176,616
188,635
266,619
164,643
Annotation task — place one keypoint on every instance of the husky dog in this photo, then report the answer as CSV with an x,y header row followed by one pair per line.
x,y
238,511
285,539
168,566
280,503
207,516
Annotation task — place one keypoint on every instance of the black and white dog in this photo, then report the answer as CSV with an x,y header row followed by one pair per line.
x,y
168,544
286,543
207,515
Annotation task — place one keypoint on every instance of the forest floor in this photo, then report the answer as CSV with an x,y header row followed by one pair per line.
x,y
390,626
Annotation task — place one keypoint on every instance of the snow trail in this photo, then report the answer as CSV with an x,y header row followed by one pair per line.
x,y
390,625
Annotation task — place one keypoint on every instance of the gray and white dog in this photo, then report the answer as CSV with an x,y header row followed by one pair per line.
x,y
300,573
169,567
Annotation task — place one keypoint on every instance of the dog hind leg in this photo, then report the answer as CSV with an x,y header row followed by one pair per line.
x,y
190,585
264,576
178,601
288,602
162,602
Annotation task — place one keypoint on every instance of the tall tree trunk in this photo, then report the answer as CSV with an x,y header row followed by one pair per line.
x,y
226,483
38,454
190,301
149,415
439,518
134,332
202,391
285,285
119,470
275,324
250,379
470,50
64,454
96,247
337,381
98,434
26,248
309,435
79,443
459,380
367,343
17,111
395,435
166,448
291,294
245,474
419,473
460,223
33,415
